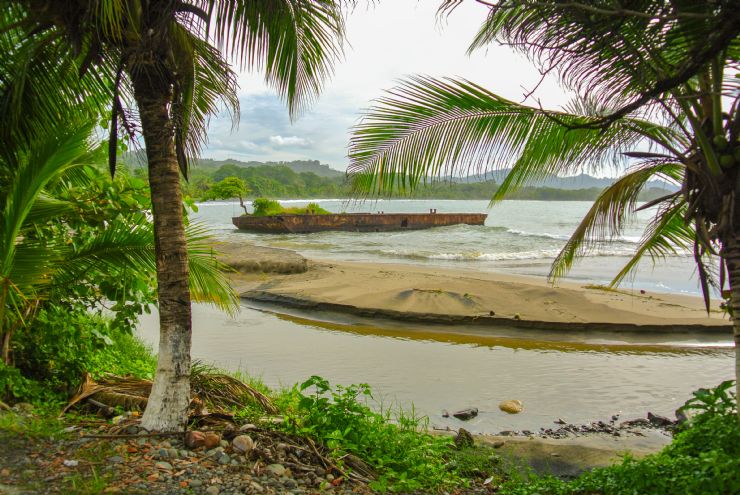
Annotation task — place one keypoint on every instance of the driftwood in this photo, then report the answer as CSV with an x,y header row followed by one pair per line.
x,y
4,406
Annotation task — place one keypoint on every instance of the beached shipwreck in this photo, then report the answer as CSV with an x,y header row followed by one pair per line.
x,y
354,222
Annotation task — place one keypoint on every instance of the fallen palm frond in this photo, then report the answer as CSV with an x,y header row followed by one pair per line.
x,y
217,391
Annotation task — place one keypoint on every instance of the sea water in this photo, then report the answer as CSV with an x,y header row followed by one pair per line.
x,y
519,237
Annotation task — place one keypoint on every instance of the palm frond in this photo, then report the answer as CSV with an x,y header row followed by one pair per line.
x,y
296,42
429,128
610,212
668,233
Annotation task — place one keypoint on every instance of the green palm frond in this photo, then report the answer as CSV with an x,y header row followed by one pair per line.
x,y
429,128
611,212
296,42
661,44
40,85
58,153
668,233
208,281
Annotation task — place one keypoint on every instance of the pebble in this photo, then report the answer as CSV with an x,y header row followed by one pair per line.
x,y
213,490
173,453
163,465
116,459
70,463
195,483
243,443
511,406
257,487
276,469
223,458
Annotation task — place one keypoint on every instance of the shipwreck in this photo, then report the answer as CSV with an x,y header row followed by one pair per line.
x,y
354,222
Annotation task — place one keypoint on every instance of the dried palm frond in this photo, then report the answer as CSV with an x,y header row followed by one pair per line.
x,y
216,391
220,391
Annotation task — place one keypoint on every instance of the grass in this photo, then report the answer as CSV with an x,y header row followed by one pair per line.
x,y
267,207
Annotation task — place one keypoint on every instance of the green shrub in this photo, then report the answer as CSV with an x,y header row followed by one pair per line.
x,y
265,207
404,456
63,343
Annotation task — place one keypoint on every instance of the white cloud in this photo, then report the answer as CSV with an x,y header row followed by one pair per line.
x,y
289,141
387,41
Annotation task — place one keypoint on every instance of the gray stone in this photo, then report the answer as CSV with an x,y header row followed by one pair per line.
x,y
243,444
256,487
276,469
657,420
172,453
223,458
213,490
166,466
289,483
195,483
116,459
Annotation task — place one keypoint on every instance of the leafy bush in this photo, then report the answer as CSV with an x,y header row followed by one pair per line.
x,y
63,343
405,457
704,458
265,207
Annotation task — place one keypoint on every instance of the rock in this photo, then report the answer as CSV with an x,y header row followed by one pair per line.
x,y
132,430
498,444
212,440
634,422
275,469
172,453
464,439
615,417
445,413
466,414
213,490
560,422
243,444
511,406
165,466
195,439
116,459
70,463
256,487
289,483
329,478
162,454
247,427
658,420
223,443
223,458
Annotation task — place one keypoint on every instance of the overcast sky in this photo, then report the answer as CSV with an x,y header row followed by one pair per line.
x,y
388,41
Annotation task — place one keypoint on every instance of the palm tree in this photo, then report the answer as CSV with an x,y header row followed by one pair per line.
x,y
655,82
167,57
33,266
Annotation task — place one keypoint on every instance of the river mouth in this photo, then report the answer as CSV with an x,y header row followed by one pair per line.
x,y
577,377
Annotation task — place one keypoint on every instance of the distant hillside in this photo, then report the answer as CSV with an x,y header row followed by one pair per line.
x,y
297,166
582,181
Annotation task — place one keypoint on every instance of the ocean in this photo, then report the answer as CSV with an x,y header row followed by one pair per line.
x,y
519,237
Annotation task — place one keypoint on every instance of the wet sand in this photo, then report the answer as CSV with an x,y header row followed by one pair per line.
x,y
442,295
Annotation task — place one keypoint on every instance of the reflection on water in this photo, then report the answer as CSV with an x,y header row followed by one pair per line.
x,y
435,369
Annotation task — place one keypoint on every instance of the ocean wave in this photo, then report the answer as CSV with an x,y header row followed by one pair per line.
x,y
564,237
500,256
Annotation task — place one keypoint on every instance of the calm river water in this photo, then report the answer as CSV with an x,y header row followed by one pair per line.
x,y
585,378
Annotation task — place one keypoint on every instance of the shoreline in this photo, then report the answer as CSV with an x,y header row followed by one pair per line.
x,y
448,296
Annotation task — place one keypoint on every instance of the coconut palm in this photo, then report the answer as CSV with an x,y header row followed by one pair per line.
x,y
655,82
32,266
162,68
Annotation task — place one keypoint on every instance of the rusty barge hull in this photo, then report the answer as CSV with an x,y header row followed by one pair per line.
x,y
354,222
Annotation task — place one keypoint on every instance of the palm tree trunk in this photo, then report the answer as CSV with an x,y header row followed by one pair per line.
x,y
168,402
731,255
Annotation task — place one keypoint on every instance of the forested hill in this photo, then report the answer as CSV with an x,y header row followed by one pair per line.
x,y
282,182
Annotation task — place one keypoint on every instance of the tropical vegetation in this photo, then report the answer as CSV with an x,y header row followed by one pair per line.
x,y
159,69
654,82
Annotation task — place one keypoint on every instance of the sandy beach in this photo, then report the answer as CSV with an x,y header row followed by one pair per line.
x,y
447,295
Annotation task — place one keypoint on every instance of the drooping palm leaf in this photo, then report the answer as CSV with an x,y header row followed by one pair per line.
x,y
428,128
295,42
611,212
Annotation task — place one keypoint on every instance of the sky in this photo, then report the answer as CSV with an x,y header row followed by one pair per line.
x,y
386,42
